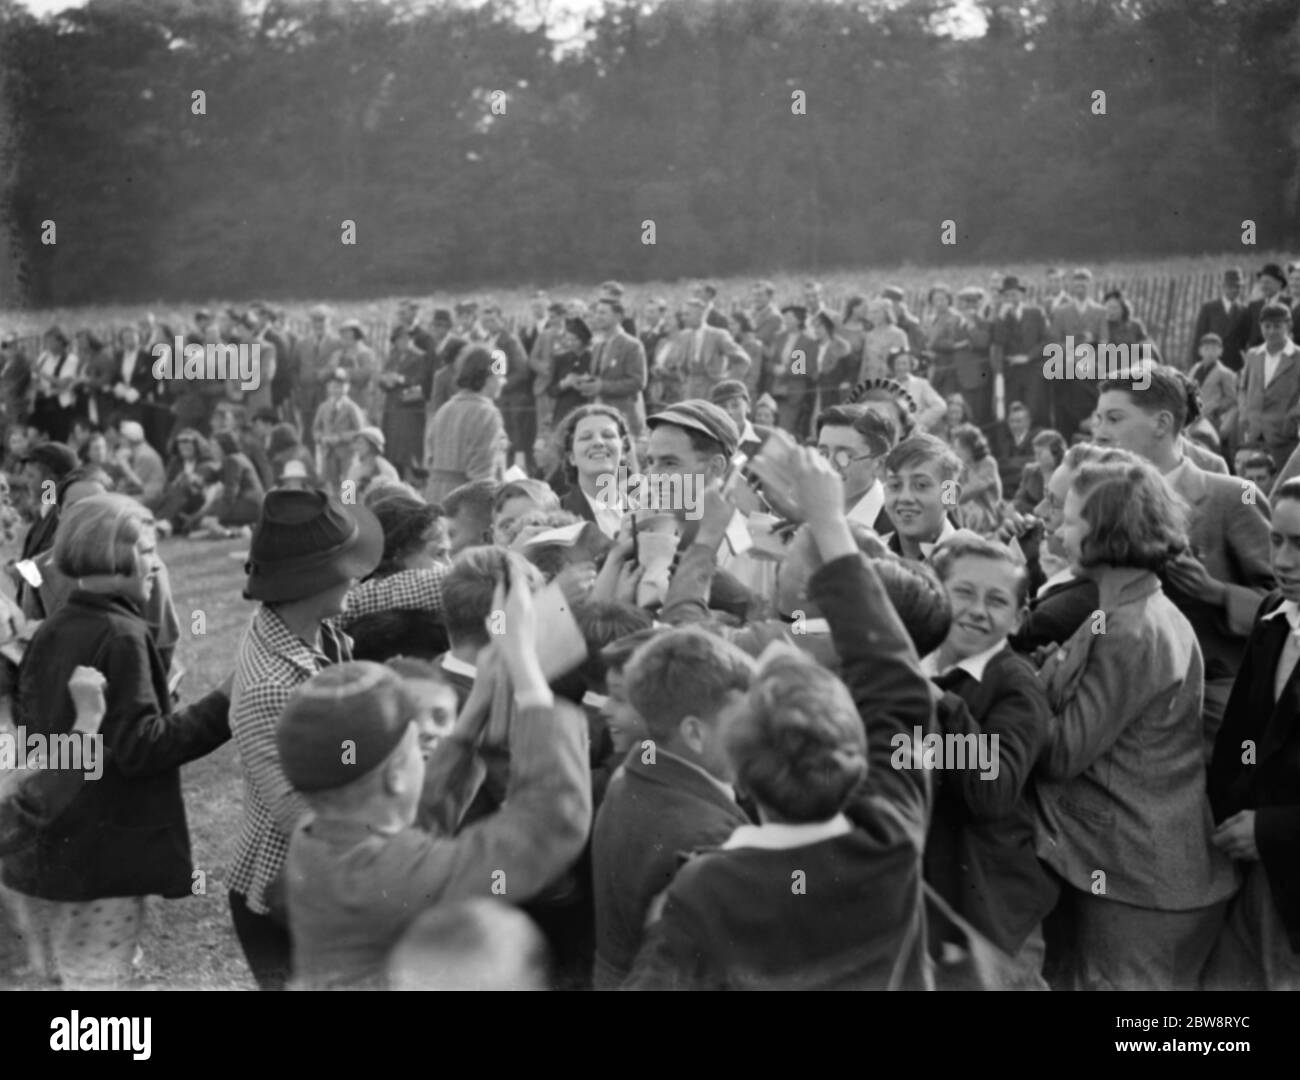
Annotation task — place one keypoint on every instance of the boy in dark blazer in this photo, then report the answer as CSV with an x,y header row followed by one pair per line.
x,y
1254,781
980,852
673,793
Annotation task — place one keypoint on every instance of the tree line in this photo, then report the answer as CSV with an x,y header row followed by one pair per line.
x,y
755,135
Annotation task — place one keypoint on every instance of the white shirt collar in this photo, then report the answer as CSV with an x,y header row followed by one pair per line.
x,y
1290,610
1059,578
722,786
1178,472
609,519
945,534
749,434
782,836
973,665
867,509
453,665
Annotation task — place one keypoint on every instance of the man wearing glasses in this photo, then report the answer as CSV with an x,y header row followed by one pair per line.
x,y
856,440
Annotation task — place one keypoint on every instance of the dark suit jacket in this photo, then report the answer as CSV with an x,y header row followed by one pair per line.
x,y
980,853
1011,456
1056,615
575,502
1270,784
1233,327
1023,336
1231,538
651,816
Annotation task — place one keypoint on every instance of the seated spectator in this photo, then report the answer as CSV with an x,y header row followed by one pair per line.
x,y
190,472
1049,452
284,446
143,474
234,508
980,498
1012,443
369,466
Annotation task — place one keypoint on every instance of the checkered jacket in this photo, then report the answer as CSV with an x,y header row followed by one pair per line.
x,y
272,662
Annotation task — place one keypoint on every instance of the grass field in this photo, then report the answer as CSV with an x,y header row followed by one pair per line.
x,y
190,943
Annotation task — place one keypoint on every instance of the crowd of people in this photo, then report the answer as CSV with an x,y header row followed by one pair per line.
x,y
781,646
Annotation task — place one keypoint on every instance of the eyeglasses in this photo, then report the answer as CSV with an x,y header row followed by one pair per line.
x,y
841,456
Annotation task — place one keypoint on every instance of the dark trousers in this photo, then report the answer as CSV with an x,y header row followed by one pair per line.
x,y
265,942
1025,383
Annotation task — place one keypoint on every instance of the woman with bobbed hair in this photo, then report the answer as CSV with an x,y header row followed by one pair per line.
x,y
123,837
593,444
1124,818
884,337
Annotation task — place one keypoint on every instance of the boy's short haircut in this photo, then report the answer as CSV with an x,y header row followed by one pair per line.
x,y
412,667
605,623
477,497
538,491
617,653
919,600
1157,388
468,591
962,546
684,672
798,746
922,450
478,944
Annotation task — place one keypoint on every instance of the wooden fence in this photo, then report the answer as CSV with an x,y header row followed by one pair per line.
x,y
1167,305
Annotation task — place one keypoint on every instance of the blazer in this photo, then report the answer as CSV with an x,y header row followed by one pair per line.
x,y
720,357
970,357
619,362
980,852
1230,536
652,814
1232,324
125,834
1056,615
1218,394
731,918
1087,324
1121,781
1023,335
464,443
1270,783
1011,456
1270,414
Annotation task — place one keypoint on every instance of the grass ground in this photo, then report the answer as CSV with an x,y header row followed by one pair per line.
x,y
189,943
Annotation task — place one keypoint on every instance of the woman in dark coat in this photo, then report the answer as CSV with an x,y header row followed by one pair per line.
x,y
123,837
408,381
570,364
